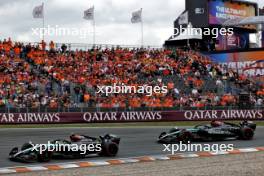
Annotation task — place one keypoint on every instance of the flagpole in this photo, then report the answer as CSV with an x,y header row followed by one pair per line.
x,y
142,39
94,32
43,30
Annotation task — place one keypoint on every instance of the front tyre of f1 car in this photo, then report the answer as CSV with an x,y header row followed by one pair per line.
x,y
13,151
185,137
246,133
45,156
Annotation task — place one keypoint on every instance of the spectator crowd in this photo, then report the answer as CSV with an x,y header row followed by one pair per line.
x,y
34,75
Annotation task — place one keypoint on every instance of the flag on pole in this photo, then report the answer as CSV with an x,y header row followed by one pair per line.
x,y
89,14
183,19
38,12
136,16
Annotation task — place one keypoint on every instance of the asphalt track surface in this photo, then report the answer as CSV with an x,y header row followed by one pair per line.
x,y
134,141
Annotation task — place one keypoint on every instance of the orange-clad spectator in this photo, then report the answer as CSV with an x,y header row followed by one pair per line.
x,y
225,98
86,97
198,82
260,92
43,45
156,103
168,102
223,103
7,48
135,103
52,45
9,42
17,50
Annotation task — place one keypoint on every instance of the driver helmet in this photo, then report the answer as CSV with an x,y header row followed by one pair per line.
x,y
216,123
174,129
75,137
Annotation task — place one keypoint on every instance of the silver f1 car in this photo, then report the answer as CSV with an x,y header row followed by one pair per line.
x,y
214,131
79,146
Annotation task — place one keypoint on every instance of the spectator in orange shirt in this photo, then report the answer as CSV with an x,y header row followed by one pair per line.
x,y
43,45
52,46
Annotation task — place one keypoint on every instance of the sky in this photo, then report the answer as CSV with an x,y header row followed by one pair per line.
x,y
112,20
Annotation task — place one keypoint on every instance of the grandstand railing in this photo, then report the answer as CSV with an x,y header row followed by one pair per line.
x,y
93,109
74,46
86,46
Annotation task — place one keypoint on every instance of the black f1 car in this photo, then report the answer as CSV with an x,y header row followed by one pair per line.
x,y
79,146
214,131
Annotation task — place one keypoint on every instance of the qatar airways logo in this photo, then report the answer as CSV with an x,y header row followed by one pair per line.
x,y
29,117
122,116
226,114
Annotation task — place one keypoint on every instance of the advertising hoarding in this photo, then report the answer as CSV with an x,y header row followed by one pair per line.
x,y
221,11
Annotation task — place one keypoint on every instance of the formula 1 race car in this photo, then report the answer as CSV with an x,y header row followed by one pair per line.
x,y
214,131
79,146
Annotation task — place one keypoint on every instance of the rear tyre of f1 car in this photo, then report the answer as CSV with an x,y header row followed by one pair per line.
x,y
109,149
246,133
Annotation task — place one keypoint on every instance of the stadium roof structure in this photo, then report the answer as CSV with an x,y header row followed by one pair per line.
x,y
255,20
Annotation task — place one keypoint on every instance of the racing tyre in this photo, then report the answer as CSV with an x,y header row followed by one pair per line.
x,y
246,133
185,137
44,156
109,149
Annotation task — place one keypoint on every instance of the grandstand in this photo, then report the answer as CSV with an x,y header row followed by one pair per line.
x,y
35,77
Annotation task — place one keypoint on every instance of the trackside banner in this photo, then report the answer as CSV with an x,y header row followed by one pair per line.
x,y
130,116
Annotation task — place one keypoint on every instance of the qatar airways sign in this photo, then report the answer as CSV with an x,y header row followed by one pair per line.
x,y
224,115
122,116
129,116
30,118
